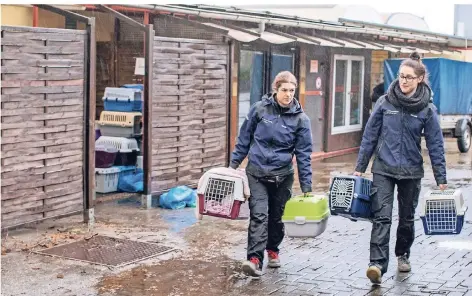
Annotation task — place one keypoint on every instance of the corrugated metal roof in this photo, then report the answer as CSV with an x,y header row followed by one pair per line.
x,y
235,34
274,37
350,26
453,41
342,26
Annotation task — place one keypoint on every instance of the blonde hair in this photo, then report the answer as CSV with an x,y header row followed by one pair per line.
x,y
283,77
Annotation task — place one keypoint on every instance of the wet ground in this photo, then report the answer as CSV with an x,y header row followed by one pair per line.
x,y
210,252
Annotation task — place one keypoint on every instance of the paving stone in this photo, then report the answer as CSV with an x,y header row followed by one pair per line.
x,y
335,264
455,294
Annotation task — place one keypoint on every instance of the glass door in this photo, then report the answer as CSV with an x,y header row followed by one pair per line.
x,y
279,63
250,81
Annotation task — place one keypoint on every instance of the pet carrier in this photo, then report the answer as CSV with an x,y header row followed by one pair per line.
x,y
105,156
220,196
442,212
106,180
349,196
306,216
123,99
137,86
127,149
120,124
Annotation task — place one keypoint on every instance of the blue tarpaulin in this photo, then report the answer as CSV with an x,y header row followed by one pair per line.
x,y
450,80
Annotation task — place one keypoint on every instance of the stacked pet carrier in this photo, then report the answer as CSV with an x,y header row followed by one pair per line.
x,y
120,128
349,196
442,212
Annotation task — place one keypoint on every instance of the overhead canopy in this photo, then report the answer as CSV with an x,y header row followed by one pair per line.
x,y
360,34
277,37
450,40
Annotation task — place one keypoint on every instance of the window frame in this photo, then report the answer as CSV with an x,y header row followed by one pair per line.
x,y
347,128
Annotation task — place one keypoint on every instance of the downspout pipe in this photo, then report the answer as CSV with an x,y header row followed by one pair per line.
x,y
35,16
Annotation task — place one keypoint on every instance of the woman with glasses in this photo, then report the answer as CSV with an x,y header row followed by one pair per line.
x,y
393,133
275,130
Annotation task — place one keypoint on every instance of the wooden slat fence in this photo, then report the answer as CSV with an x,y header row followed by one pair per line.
x,y
42,123
189,110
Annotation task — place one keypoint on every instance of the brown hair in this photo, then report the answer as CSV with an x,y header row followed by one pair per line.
x,y
414,62
283,77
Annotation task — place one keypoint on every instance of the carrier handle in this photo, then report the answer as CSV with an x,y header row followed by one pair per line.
x,y
300,220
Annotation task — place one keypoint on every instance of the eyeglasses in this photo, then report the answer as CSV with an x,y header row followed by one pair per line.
x,y
407,78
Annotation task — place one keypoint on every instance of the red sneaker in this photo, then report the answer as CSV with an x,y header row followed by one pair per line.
x,y
274,261
252,267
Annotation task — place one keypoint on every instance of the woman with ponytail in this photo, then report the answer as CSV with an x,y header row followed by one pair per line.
x,y
394,133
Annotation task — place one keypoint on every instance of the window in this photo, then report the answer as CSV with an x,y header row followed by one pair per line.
x,y
258,66
348,85
251,79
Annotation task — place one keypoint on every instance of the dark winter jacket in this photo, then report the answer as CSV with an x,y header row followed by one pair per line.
x,y
272,135
394,134
377,92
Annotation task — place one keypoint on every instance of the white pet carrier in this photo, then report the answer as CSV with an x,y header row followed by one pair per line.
x,y
442,212
220,196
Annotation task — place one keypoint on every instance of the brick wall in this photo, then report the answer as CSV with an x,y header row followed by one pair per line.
x,y
377,70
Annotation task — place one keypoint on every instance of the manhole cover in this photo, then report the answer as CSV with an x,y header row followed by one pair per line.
x,y
107,251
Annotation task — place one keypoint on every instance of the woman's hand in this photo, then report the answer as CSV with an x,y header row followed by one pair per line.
x,y
357,174
443,186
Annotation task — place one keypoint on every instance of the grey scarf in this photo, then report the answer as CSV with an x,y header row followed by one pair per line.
x,y
417,102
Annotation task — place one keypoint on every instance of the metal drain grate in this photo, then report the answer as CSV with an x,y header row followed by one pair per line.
x,y
107,251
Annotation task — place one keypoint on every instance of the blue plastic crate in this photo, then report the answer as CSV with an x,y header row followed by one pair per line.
x,y
350,197
122,106
137,86
123,99
441,227
441,218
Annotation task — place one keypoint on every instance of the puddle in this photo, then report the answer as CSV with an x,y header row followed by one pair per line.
x,y
179,220
175,277
458,245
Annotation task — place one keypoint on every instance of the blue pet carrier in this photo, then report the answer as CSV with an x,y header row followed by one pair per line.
x,y
349,196
442,212
123,99
137,86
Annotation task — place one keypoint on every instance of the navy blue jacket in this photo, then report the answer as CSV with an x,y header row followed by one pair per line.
x,y
395,135
272,136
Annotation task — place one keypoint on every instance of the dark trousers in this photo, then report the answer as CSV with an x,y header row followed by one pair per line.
x,y
382,205
266,205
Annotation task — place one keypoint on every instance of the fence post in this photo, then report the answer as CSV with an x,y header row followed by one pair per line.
x,y
89,143
146,199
